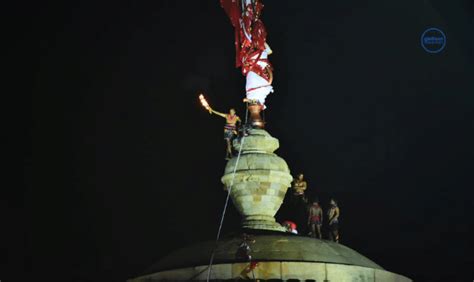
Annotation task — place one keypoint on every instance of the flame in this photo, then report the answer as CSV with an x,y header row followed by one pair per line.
x,y
204,102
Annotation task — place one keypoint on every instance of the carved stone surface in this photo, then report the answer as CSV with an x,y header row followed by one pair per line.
x,y
260,182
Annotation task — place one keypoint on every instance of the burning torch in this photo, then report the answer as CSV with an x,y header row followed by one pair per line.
x,y
204,103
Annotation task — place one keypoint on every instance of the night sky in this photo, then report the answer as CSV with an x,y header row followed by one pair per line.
x,y
122,165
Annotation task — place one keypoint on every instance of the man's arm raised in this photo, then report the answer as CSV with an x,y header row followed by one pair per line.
x,y
218,113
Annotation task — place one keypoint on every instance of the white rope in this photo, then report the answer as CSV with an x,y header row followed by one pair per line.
x,y
225,208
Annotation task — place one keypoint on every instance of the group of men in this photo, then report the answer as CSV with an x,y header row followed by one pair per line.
x,y
315,212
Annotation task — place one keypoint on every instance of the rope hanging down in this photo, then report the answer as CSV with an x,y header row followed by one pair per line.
x,y
225,208
227,200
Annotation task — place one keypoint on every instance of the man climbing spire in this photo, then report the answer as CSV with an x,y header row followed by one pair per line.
x,y
230,128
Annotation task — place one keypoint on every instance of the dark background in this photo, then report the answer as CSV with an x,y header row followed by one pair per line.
x,y
122,165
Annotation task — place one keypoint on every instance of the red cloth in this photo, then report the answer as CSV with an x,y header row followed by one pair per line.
x,y
247,24
232,9
291,223
315,218
253,265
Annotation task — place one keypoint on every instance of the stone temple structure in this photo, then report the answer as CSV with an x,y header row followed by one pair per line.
x,y
260,181
258,188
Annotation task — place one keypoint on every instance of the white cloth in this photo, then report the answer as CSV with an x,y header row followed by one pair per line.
x,y
257,87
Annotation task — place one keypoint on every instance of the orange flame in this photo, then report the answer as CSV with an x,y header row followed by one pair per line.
x,y
204,102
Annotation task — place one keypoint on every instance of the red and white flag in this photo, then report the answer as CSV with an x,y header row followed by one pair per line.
x,y
250,45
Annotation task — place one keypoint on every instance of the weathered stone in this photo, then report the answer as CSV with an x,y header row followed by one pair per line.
x,y
260,181
282,257
286,271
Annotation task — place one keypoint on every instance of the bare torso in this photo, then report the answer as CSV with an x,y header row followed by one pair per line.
x,y
299,186
231,119
333,214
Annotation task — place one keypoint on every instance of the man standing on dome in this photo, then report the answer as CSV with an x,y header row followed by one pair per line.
x,y
298,203
299,185
333,215
230,128
315,219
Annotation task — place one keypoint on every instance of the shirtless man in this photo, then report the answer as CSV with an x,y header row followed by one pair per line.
x,y
299,185
315,219
230,129
333,215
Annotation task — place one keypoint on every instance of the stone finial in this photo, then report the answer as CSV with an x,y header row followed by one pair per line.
x,y
261,180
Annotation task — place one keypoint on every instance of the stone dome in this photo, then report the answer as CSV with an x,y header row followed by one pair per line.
x,y
280,257
266,248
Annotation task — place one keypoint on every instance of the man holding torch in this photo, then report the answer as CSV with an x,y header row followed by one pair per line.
x,y
230,128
